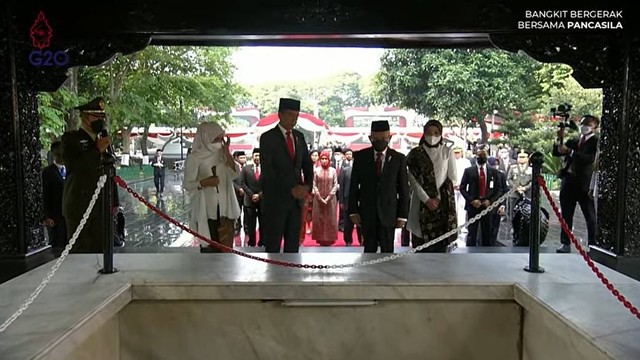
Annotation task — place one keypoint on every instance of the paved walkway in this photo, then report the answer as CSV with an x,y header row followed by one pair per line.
x,y
146,232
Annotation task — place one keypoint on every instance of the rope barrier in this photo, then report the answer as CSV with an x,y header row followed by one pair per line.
x,y
390,257
585,256
63,256
101,182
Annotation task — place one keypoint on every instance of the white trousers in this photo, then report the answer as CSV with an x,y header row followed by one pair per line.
x,y
461,213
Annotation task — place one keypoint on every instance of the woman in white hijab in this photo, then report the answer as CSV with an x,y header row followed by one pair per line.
x,y
208,175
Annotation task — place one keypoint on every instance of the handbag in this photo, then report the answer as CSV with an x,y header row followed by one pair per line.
x,y
221,229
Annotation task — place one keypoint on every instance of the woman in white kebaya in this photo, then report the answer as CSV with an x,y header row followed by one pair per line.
x,y
208,175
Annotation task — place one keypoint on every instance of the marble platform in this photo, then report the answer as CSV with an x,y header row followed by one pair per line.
x,y
448,306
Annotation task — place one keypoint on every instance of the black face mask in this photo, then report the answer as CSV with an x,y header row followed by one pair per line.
x,y
482,160
97,126
379,145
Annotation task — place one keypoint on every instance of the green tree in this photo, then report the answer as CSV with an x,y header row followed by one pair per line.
x,y
331,110
583,101
163,86
565,89
53,109
325,98
458,85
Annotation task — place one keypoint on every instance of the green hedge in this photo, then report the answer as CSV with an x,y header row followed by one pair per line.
x,y
131,173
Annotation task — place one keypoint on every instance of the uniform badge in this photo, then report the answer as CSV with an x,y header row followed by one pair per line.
x,y
84,145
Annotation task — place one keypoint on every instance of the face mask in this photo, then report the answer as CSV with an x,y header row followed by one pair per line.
x,y
432,140
97,126
379,145
338,157
586,129
215,146
482,160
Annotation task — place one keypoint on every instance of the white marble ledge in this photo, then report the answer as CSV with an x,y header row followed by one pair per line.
x,y
412,269
568,288
589,311
75,310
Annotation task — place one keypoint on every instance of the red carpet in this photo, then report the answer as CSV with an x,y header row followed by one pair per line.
x,y
308,241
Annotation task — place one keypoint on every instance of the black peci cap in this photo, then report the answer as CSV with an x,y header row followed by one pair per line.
x,y
379,126
289,104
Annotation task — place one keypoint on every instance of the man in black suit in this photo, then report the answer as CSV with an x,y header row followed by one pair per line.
x,y
158,172
241,159
379,190
52,186
344,181
250,182
337,162
287,177
480,187
579,157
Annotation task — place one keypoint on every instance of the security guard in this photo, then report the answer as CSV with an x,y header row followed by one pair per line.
x,y
82,151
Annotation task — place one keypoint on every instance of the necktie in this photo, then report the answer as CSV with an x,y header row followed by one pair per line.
x,y
63,172
481,182
292,153
581,142
257,172
378,163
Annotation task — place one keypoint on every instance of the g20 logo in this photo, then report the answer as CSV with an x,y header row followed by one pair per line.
x,y
48,58
41,34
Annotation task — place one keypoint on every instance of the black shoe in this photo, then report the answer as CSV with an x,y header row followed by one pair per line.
x,y
564,249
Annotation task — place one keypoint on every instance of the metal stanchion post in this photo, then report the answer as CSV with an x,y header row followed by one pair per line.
x,y
109,169
536,161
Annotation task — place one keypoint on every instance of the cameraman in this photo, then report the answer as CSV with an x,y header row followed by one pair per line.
x,y
579,156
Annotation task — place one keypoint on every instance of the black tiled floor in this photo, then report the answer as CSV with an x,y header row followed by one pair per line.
x,y
146,232
144,229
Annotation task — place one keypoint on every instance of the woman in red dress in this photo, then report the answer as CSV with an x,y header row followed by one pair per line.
x,y
325,186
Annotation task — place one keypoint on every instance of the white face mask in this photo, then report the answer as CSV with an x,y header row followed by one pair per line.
x,y
338,157
432,140
586,129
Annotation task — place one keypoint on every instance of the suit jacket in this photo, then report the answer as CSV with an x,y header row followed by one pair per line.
x,y
279,173
237,186
52,187
159,170
386,197
581,164
470,189
505,165
250,185
344,181
83,161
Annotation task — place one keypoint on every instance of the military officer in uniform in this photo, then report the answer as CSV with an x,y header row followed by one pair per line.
x,y
82,151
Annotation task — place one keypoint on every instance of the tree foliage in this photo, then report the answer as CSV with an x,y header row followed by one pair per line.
x,y
163,86
53,109
459,85
326,98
